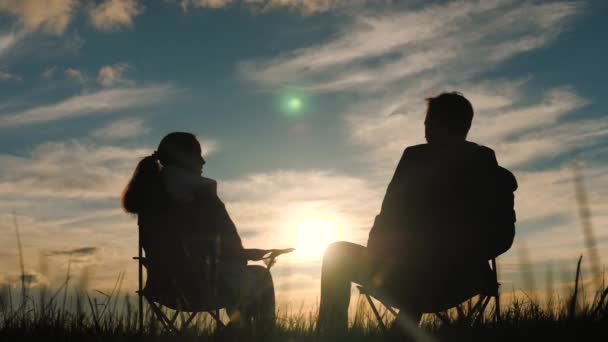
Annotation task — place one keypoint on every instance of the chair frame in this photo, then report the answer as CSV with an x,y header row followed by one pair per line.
x,y
474,316
168,324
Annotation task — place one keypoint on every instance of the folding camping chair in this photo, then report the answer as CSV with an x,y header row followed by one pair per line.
x,y
474,316
183,303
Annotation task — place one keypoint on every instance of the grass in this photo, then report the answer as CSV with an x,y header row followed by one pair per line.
x,y
99,316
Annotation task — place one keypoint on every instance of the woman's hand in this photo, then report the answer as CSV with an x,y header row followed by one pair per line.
x,y
255,254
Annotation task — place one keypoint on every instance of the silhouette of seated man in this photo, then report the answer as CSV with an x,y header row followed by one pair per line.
x,y
195,260
440,222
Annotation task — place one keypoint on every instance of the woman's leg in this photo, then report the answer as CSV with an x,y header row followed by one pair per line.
x,y
343,263
255,299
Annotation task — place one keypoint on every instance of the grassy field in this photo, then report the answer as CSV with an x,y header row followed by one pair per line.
x,y
108,317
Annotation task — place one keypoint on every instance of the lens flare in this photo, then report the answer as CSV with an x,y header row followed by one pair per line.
x,y
294,104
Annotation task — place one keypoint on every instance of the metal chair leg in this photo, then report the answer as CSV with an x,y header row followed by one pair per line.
x,y
174,318
443,317
161,317
187,322
216,315
140,274
378,317
479,314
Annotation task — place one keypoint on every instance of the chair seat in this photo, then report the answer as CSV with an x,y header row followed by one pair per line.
x,y
190,303
430,291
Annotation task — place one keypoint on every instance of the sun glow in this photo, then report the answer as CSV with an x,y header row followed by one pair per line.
x,y
313,236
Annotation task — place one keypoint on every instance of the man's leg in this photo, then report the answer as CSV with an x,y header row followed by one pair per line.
x,y
343,263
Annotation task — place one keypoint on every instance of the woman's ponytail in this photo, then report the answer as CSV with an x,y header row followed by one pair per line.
x,y
145,190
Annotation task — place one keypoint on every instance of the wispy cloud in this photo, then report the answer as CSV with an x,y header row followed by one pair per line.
x,y
74,169
56,170
31,278
48,72
82,251
109,75
455,38
121,129
306,7
7,76
396,59
52,16
112,15
8,40
76,75
102,101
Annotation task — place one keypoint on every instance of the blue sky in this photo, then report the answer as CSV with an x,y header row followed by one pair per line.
x,y
89,87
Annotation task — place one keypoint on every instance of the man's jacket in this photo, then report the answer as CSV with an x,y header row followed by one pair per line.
x,y
446,205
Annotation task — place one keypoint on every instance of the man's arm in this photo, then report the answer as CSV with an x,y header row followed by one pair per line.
x,y
386,219
395,185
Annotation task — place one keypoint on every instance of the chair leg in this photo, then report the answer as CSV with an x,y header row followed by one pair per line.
x,y
218,322
481,311
378,317
161,316
174,318
497,309
443,317
140,312
188,321
475,309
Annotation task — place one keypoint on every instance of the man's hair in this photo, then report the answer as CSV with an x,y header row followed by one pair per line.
x,y
451,109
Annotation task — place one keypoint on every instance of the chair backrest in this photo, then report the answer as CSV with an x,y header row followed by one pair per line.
x,y
179,259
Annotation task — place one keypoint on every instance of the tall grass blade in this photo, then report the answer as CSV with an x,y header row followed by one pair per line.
x,y
21,264
67,283
573,300
584,213
526,271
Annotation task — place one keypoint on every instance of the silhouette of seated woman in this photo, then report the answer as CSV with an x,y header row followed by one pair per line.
x,y
195,260
440,222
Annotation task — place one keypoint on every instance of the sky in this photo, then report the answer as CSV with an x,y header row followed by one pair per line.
x,y
303,109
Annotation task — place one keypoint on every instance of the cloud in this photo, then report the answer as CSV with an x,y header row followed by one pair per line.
x,y
204,3
374,51
113,15
58,170
30,278
82,251
8,40
52,16
7,76
103,101
111,74
49,72
393,60
73,169
76,75
305,7
121,129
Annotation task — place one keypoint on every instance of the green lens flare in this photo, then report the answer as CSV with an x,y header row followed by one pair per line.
x,y
294,104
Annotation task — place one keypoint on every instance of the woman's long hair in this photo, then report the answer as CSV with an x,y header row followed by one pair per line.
x,y
145,191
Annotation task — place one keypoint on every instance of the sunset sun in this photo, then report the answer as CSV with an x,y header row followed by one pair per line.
x,y
313,236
